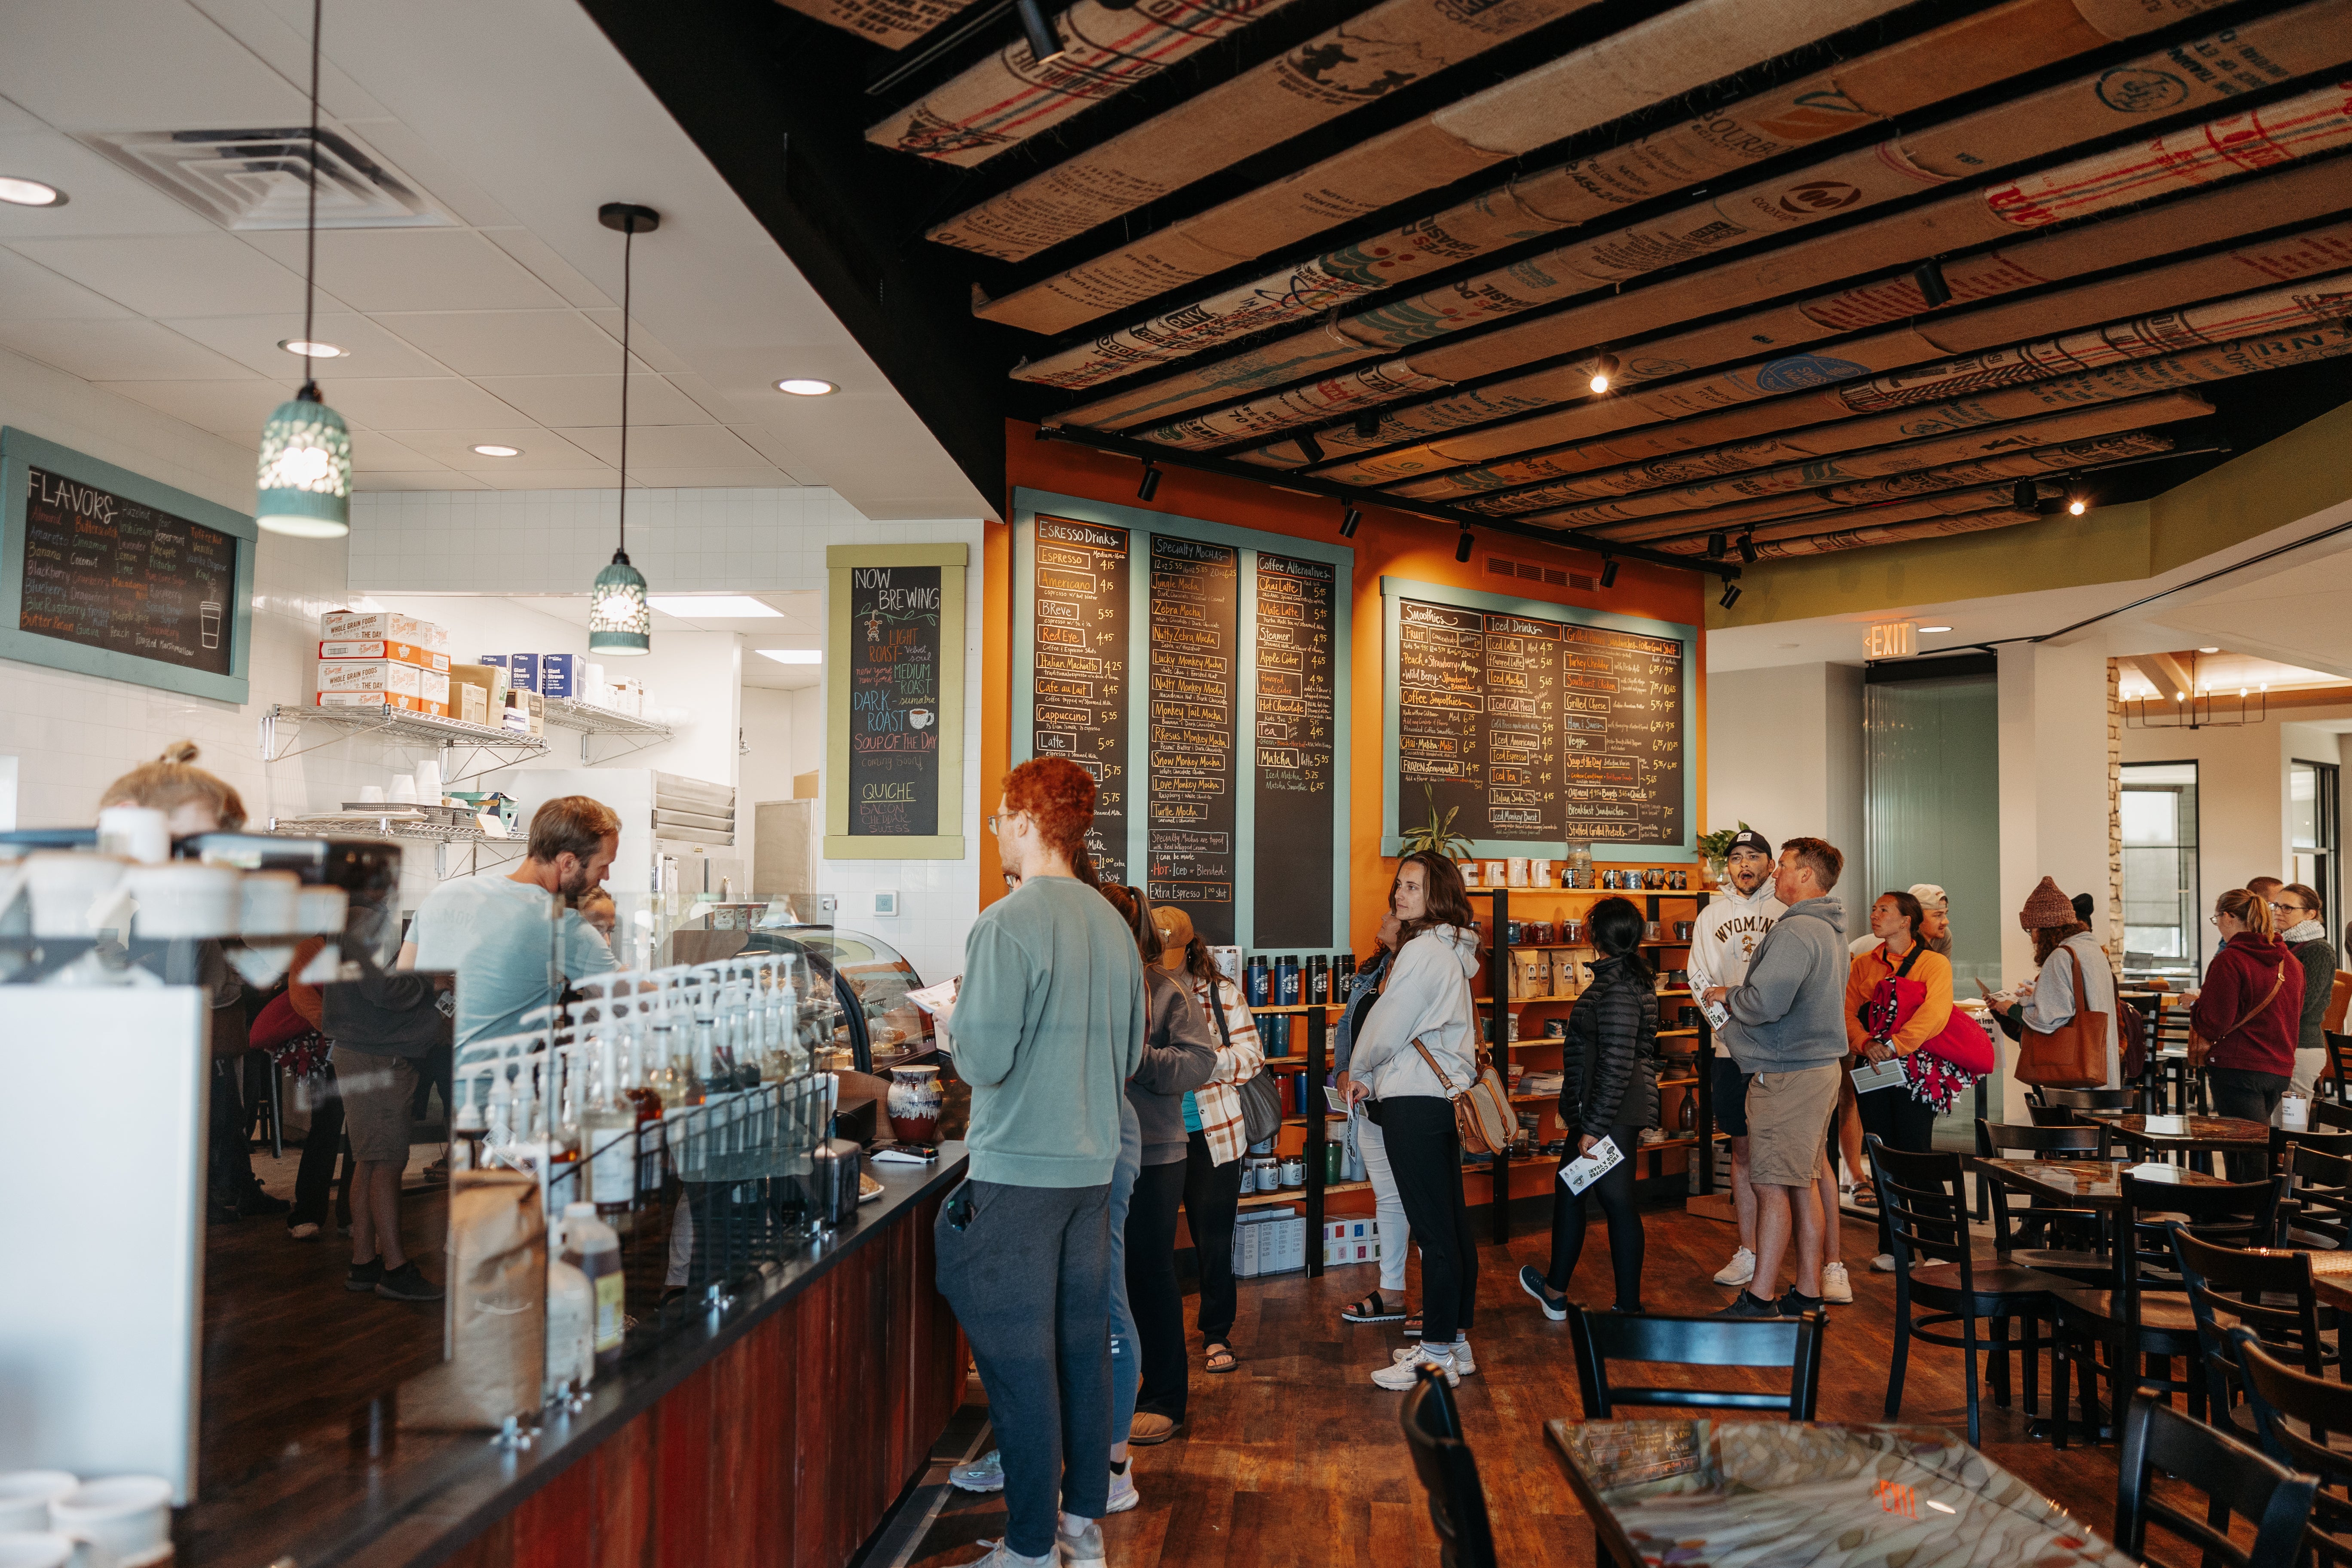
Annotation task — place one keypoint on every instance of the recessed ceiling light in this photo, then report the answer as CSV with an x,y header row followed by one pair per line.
x,y
711,607
2208,650
1935,628
806,386
492,449
29,193
310,349
791,655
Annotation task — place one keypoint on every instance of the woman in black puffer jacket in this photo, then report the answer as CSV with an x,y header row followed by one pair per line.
x,y
1609,1089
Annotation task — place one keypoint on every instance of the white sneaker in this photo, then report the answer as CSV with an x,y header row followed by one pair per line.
x,y
1882,1264
1123,1492
1464,1363
1836,1286
1739,1270
1405,1374
1083,1550
985,1474
1000,1555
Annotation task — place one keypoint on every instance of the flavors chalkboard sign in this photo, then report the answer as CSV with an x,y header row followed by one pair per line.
x,y
115,575
1191,778
894,724
1078,682
1297,711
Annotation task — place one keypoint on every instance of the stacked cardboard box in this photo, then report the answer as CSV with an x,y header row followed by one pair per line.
x,y
1269,1241
378,659
1351,1241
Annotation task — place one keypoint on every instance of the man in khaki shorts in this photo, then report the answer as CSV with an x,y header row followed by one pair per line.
x,y
1791,1044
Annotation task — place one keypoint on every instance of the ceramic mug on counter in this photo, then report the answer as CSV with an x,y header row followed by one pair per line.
x,y
25,1496
34,1549
117,1519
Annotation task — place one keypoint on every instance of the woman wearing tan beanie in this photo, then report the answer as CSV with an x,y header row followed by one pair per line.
x,y
2061,944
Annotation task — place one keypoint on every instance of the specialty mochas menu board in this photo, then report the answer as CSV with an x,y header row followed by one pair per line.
x,y
1190,794
894,701
1297,711
1080,632
1539,730
113,574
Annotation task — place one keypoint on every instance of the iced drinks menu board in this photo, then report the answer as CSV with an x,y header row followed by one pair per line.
x,y
1538,730
1080,631
1194,614
113,574
1296,687
894,701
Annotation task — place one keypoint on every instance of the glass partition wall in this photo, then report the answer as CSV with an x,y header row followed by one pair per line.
x,y
2162,906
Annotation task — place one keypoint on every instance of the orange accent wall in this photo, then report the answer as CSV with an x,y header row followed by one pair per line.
x,y
1387,544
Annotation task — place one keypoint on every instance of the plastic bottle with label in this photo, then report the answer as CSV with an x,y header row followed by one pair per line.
x,y
593,1249
570,1318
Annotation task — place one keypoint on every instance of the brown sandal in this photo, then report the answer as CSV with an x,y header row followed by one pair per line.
x,y
1372,1310
1217,1353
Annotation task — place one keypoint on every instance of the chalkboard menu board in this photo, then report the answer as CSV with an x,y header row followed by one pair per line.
x,y
1296,738
115,575
894,700
1079,697
1194,618
1535,729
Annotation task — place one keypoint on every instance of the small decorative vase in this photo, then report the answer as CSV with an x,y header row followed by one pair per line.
x,y
1716,869
914,1103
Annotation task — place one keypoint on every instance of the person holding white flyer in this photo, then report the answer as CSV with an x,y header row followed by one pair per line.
x,y
1608,1095
1730,929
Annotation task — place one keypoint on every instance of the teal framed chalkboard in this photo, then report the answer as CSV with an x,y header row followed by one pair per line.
x,y
108,572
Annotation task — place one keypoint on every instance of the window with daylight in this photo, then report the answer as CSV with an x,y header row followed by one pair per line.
x,y
2160,895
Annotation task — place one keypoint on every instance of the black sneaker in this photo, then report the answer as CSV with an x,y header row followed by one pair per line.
x,y
407,1283
257,1203
1532,1281
1795,1306
1748,1304
364,1276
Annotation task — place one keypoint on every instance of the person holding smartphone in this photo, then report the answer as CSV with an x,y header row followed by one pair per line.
x,y
1609,1090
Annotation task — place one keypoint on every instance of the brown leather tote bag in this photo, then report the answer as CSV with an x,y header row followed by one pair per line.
x,y
2074,1054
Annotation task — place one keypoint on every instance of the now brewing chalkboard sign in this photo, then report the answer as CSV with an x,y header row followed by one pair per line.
x,y
893,783
114,576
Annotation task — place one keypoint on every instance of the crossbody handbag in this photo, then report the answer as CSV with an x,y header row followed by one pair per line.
x,y
2199,1047
1482,1112
2071,1055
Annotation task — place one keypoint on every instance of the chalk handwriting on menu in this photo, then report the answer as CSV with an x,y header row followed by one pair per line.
x,y
894,701
1193,812
1079,630
1539,730
110,573
1297,708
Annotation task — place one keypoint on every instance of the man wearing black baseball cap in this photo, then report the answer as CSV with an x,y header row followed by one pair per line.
x,y
1726,938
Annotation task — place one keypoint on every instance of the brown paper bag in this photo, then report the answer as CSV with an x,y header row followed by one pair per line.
x,y
494,1317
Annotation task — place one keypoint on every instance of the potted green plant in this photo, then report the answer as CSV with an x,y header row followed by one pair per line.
x,y
1714,848
1437,835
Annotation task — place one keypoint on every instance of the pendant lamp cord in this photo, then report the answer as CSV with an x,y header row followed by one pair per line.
x,y
628,251
310,221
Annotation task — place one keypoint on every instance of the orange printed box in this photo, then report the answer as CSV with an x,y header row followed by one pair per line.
x,y
379,647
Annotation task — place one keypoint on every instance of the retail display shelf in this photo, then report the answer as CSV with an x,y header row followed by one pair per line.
x,y
394,724
1677,1033
1303,1007
385,826
1285,1196
590,720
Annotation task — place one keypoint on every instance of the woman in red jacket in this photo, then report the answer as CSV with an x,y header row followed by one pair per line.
x,y
2249,1010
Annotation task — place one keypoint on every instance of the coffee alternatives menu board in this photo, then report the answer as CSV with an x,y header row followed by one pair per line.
x,y
1297,704
1536,727
111,572
1080,635
894,700
1190,795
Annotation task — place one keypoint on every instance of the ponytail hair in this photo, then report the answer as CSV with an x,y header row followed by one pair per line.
x,y
1617,928
2249,910
172,780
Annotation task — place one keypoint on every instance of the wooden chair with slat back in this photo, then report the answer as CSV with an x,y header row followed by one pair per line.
x,y
2143,1311
2268,1292
2338,1084
2081,1099
2320,1142
1449,1474
1600,1338
2331,1115
2315,1195
2294,1412
2017,1234
2234,1478
1925,1203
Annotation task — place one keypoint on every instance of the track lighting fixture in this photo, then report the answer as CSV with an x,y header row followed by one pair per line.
x,y
1608,572
1730,593
1462,547
2024,496
1747,547
1930,276
1045,44
1604,371
1310,447
1150,484
1717,544
1368,427
2078,497
1347,522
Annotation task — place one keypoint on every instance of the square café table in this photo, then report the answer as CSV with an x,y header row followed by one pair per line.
x,y
2082,1184
2177,1134
1760,1494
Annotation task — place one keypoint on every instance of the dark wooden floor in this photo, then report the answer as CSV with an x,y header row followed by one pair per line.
x,y
1296,1458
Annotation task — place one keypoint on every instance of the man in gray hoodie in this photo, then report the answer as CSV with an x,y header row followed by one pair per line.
x,y
1791,1043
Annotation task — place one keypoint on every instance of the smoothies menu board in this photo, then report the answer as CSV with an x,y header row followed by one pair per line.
x,y
1080,634
894,701
1194,616
114,573
1539,730
1297,708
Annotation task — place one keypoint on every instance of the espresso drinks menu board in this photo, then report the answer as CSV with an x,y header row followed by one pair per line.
x,y
1539,730
1080,632
1296,705
1190,796
894,701
111,572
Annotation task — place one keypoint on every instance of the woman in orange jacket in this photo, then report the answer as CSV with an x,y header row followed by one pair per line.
x,y
1900,1118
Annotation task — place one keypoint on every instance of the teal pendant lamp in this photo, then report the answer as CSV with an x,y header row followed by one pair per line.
x,y
619,620
304,477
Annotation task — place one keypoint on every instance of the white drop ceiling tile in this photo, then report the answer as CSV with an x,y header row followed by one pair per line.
x,y
252,342
15,118
31,293
415,269
105,65
376,453
540,450
550,267
656,354
101,198
431,174
212,274
118,350
232,409
425,402
768,444
653,445
702,474
587,400
425,480
534,480
508,342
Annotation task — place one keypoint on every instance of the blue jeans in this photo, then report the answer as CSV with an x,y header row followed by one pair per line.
x,y
1125,1370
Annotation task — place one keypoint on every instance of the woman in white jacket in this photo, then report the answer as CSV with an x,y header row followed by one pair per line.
x,y
1418,1049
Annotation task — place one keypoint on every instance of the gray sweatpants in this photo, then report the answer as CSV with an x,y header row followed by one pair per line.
x,y
1029,1277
